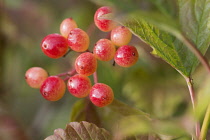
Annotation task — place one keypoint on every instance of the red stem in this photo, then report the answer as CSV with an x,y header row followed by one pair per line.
x,y
95,77
192,96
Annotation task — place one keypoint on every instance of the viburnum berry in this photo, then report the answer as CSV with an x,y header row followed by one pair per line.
x,y
54,45
126,56
104,50
121,35
78,40
86,64
104,24
79,85
35,76
53,88
101,95
66,26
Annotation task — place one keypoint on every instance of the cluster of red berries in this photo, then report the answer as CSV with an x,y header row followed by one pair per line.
x,y
79,85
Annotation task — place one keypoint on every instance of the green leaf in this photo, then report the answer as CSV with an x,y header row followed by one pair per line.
x,y
77,113
80,131
161,42
140,125
194,18
84,110
115,111
132,125
124,109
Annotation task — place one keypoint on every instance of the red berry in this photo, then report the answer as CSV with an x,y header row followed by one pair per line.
x,y
78,40
101,95
53,88
103,24
126,56
66,26
121,35
35,76
54,45
104,50
79,85
86,64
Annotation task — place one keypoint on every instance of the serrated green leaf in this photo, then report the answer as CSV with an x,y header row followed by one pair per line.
x,y
161,42
194,16
80,131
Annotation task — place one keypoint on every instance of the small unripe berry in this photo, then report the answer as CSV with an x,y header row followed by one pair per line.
x,y
103,24
53,88
35,76
126,56
79,85
121,35
86,64
101,95
54,45
66,26
104,50
78,40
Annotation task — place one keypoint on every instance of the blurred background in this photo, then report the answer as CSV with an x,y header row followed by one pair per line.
x,y
151,85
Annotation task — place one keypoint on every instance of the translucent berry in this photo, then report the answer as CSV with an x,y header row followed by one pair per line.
x,y
86,64
126,56
54,45
121,35
101,95
79,85
104,50
53,88
103,24
78,40
35,76
66,26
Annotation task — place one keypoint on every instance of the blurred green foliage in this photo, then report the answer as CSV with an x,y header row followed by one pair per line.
x,y
151,85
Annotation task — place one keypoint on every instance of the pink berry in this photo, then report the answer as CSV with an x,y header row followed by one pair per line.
x,y
79,85
86,64
35,76
53,88
121,35
54,45
103,24
104,50
66,26
78,40
126,56
101,95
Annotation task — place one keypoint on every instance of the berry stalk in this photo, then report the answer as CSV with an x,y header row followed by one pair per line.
x,y
95,77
